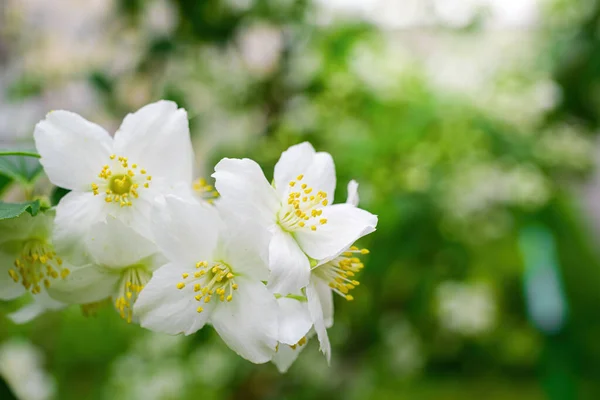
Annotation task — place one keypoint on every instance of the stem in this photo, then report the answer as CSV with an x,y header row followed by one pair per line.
x,y
19,153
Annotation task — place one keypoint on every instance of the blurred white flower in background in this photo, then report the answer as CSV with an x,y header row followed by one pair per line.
x,y
481,187
65,39
404,350
465,308
21,366
160,17
260,46
395,14
566,145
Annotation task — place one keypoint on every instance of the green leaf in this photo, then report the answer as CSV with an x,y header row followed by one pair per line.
x,y
57,194
13,210
21,166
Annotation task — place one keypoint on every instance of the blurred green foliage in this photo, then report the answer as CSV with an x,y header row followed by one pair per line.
x,y
441,312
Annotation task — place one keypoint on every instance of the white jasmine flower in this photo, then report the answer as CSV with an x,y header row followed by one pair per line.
x,y
120,263
214,275
28,261
334,276
306,229
150,155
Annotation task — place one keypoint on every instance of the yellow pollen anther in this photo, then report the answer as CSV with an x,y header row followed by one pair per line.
x,y
303,186
119,183
323,221
199,309
185,275
180,285
293,183
143,171
36,266
299,177
212,280
313,228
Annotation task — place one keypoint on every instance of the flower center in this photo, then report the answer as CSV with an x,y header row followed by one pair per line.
x,y
303,208
120,184
208,280
120,181
338,271
37,265
133,281
205,191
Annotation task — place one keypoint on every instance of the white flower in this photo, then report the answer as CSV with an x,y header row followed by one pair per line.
x,y
296,210
333,276
299,313
214,275
121,262
150,155
22,369
28,261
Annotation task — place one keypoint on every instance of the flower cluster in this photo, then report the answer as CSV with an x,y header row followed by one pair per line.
x,y
258,261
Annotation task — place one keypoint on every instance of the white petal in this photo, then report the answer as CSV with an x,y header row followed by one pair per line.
x,y
40,304
353,198
161,307
186,232
157,138
316,313
320,175
139,216
345,224
9,289
245,247
293,162
112,243
84,285
75,213
73,149
245,191
290,268
285,357
294,320
248,324
325,295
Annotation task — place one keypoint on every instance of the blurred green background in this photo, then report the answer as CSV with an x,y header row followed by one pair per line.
x,y
469,124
